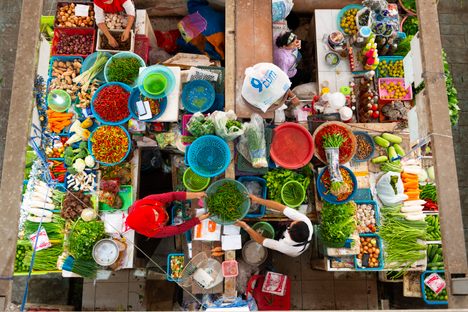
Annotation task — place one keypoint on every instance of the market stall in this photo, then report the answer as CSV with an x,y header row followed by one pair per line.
x,y
345,159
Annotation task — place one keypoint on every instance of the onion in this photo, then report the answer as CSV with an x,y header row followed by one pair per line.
x,y
88,214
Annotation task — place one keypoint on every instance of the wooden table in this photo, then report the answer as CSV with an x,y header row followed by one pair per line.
x,y
340,75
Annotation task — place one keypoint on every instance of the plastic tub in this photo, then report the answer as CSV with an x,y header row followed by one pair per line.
x,y
293,194
208,156
89,62
132,41
292,146
60,4
381,259
90,147
369,140
123,55
262,182
376,211
58,100
423,289
169,269
136,96
198,96
63,59
193,182
230,268
383,93
96,115
265,229
343,11
332,198
157,69
388,59
72,31
243,208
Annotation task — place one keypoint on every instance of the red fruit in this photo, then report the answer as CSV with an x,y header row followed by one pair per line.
x,y
375,107
375,114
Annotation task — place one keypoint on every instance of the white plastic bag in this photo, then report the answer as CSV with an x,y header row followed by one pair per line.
x,y
252,144
280,9
220,119
386,192
264,84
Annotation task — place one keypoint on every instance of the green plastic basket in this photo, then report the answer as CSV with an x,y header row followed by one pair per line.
x,y
293,194
265,229
193,182
126,193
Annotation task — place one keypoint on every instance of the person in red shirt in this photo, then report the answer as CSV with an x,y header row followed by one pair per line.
x,y
148,216
114,6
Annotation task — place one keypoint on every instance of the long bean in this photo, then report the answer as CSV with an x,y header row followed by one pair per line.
x,y
226,202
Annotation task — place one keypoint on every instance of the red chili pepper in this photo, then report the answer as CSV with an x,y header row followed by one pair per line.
x,y
111,103
110,144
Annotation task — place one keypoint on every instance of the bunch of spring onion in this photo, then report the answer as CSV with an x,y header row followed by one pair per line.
x,y
331,144
87,76
403,239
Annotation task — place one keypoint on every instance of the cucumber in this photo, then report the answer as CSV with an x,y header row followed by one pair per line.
x,y
400,151
392,138
380,159
381,141
392,155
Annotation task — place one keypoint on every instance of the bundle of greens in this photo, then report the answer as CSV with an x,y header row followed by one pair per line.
x,y
124,69
337,223
45,259
401,239
54,230
87,76
252,144
198,126
331,144
83,237
278,177
225,202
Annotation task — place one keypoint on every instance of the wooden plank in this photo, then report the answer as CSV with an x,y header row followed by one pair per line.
x,y
254,44
451,223
19,122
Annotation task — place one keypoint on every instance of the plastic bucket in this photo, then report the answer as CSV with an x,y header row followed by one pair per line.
x,y
155,83
265,229
193,182
293,194
58,100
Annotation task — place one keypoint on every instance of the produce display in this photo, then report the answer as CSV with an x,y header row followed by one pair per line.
x,y
81,181
225,202
389,68
433,228
83,237
57,170
347,148
46,259
337,223
74,44
366,218
177,266
123,69
74,203
66,17
369,254
21,248
116,21
122,45
109,144
396,111
430,295
58,121
393,90
111,103
86,96
348,22
435,258
346,187
278,177
364,148
411,26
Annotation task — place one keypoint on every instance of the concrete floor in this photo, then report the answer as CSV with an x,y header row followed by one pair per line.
x,y
311,289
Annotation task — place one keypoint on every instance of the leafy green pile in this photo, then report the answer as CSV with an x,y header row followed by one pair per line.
x,y
338,223
225,202
198,126
404,46
278,177
411,26
454,110
45,259
124,69
83,237
410,4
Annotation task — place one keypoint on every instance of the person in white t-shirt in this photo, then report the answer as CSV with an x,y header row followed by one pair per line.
x,y
297,237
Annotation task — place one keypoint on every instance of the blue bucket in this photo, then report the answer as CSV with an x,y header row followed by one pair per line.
x,y
157,69
209,156
95,114
198,96
369,140
89,62
90,148
135,96
332,198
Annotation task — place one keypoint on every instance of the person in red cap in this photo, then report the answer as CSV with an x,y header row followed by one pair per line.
x,y
114,6
148,216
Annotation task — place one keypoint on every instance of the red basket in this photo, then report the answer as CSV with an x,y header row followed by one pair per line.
x,y
142,47
72,31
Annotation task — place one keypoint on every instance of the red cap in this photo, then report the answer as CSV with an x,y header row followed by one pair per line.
x,y
142,217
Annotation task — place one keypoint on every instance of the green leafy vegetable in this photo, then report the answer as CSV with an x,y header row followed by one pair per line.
x,y
83,237
46,259
124,69
428,191
337,223
226,201
200,125
411,26
278,177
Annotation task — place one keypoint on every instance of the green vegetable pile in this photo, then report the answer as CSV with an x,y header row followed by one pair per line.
x,y
411,26
428,191
225,202
233,123
409,4
337,223
404,46
401,239
454,110
83,237
435,259
55,229
278,177
433,228
430,295
124,69
22,247
198,126
70,155
46,259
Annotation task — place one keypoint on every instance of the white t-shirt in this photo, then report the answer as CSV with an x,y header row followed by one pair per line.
x,y
286,244
100,14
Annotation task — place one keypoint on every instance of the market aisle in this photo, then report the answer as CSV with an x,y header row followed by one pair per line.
x,y
453,19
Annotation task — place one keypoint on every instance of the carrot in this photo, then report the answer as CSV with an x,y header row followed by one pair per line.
x,y
405,175
413,193
411,185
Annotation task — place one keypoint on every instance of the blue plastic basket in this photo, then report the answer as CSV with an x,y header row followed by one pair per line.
x,y
88,171
90,148
168,269
95,114
262,182
89,62
369,140
376,210
423,289
363,194
332,198
381,259
208,156
135,96
198,96
244,207
343,11
63,59
164,70
123,55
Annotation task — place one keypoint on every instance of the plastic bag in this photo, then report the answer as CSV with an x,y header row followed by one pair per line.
x,y
333,159
280,9
390,195
107,197
252,144
199,125
264,84
223,120
112,186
